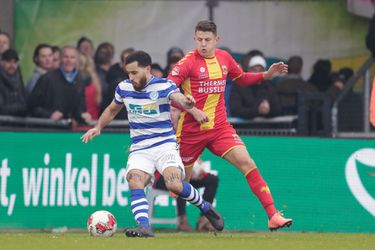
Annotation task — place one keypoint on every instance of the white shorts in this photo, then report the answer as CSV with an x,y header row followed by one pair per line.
x,y
156,158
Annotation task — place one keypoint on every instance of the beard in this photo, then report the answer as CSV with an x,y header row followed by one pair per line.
x,y
138,86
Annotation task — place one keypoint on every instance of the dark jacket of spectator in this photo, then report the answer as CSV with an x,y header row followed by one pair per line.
x,y
245,100
12,95
288,89
114,76
53,92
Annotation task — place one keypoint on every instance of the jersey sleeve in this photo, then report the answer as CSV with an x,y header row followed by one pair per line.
x,y
241,77
181,70
118,99
172,89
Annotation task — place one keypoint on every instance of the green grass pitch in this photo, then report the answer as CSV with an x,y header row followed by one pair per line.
x,y
189,241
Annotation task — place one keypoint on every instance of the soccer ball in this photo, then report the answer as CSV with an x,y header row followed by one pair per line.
x,y
101,224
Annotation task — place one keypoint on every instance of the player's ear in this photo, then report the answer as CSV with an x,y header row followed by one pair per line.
x,y
148,68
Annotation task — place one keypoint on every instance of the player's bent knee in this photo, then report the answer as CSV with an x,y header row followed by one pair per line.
x,y
135,180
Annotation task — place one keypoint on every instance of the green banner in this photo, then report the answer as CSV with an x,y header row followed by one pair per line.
x,y
51,180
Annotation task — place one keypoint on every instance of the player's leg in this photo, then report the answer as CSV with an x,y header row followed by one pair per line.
x,y
190,148
240,158
171,167
173,181
182,220
210,183
139,169
230,146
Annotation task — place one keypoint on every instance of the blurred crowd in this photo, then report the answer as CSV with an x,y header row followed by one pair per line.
x,y
78,82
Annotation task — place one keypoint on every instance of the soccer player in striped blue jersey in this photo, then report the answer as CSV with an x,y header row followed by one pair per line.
x,y
154,144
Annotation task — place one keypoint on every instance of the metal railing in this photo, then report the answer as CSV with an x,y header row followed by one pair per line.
x,y
364,70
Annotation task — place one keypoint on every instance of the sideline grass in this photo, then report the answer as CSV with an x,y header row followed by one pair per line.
x,y
189,241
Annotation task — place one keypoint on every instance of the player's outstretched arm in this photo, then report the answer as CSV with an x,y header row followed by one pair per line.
x,y
276,69
107,116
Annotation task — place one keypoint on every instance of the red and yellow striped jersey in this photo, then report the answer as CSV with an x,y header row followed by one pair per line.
x,y
205,80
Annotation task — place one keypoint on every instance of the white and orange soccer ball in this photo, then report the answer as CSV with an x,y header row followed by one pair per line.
x,y
102,224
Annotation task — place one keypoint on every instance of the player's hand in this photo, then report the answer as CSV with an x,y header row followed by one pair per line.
x,y
90,134
276,69
190,102
199,116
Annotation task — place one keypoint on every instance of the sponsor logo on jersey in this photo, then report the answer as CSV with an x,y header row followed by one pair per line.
x,y
175,71
187,159
224,69
360,177
202,69
154,95
147,109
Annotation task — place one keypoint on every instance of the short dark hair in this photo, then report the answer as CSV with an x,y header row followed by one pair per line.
x,y
38,49
104,53
84,39
295,64
206,26
10,54
56,49
125,53
141,57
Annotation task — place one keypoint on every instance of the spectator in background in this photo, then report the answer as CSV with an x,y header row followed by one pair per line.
x,y
60,93
43,59
56,57
290,85
4,42
350,108
246,58
174,55
85,46
12,96
116,74
256,100
156,70
174,52
103,61
93,93
338,80
172,61
321,75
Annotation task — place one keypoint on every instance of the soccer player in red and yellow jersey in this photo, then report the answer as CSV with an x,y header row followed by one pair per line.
x,y
202,73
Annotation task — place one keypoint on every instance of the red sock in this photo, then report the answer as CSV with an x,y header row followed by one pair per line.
x,y
261,190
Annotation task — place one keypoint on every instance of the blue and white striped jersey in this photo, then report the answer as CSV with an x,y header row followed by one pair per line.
x,y
148,112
